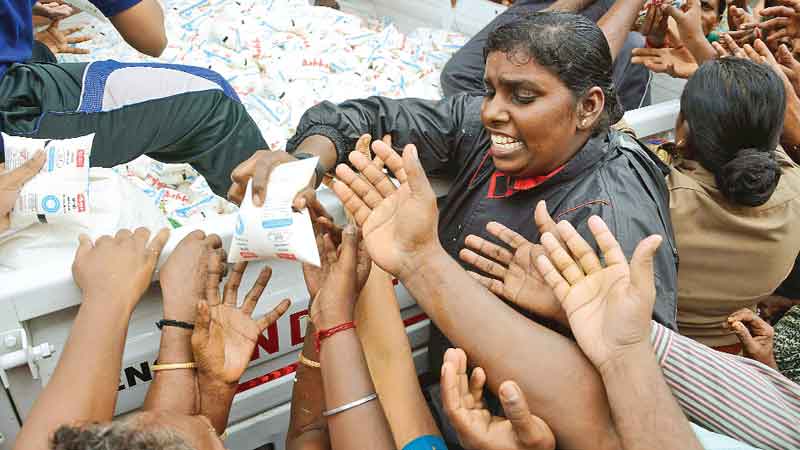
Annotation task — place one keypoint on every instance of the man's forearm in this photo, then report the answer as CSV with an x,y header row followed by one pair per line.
x,y
645,412
617,23
559,382
84,385
174,390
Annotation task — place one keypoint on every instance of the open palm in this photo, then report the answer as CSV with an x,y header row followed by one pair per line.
x,y
398,224
512,276
462,398
609,307
225,334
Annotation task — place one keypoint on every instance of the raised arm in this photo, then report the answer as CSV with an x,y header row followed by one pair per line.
x,y
690,27
330,131
183,282
609,308
225,336
113,274
308,429
142,26
437,127
354,413
383,336
400,233
618,22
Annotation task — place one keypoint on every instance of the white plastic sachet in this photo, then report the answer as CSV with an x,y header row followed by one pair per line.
x,y
62,186
275,230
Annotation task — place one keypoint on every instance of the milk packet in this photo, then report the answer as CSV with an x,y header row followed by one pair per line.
x,y
275,230
62,186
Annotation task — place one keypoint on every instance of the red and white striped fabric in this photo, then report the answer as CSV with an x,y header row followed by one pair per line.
x,y
730,395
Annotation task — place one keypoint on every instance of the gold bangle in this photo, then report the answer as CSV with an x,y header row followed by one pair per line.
x,y
223,436
307,362
188,365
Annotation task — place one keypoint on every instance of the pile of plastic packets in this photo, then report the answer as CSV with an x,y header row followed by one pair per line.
x,y
282,57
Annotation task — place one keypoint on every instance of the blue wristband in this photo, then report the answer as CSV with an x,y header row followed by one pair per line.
x,y
426,443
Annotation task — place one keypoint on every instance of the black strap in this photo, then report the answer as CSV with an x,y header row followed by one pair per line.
x,y
174,323
319,171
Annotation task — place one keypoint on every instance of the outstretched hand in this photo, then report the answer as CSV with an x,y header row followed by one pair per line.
x,y
225,334
513,275
62,41
781,22
675,62
345,273
688,18
462,398
399,224
119,268
608,307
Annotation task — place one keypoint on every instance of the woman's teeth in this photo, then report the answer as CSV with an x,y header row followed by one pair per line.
x,y
506,143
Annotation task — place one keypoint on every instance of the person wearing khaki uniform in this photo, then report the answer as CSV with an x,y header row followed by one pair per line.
x,y
734,198
731,256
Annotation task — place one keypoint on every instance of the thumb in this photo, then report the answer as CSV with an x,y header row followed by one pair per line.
x,y
642,275
543,220
13,181
531,431
743,333
347,259
417,181
362,145
84,245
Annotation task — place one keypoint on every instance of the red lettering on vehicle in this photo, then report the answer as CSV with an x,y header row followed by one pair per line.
x,y
80,158
269,343
289,256
297,332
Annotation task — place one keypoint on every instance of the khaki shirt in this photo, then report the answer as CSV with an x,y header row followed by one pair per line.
x,y
730,256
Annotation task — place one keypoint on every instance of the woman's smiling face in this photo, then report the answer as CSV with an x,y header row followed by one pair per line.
x,y
534,119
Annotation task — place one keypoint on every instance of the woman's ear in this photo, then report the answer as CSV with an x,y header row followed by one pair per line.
x,y
681,136
590,108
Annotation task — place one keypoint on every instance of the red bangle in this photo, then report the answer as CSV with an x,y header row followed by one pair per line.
x,y
324,334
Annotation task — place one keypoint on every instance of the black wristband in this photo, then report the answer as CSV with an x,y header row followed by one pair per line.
x,y
174,323
319,171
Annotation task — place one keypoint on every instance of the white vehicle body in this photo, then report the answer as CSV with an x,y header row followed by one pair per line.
x,y
38,305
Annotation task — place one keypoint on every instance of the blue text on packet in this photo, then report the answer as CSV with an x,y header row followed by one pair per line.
x,y
277,223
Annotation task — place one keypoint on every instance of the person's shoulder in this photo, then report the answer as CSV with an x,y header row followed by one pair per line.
x,y
111,8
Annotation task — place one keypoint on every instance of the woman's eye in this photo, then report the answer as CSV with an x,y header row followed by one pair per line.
x,y
524,99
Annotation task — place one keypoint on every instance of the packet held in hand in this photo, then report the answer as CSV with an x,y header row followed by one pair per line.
x,y
62,186
275,230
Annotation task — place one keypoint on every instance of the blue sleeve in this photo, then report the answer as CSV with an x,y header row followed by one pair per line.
x,y
111,8
426,443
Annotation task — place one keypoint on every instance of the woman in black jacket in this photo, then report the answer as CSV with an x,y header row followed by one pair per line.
x,y
541,132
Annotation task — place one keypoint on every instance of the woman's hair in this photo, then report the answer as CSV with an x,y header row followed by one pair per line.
x,y
734,111
570,46
118,435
